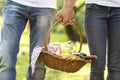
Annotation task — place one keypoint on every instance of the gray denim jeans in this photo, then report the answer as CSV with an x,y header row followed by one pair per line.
x,y
102,27
15,17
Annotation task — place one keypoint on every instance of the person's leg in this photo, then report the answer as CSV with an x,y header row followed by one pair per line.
x,y
114,45
40,22
13,25
96,33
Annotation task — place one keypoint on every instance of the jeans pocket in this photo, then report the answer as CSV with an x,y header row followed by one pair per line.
x,y
9,16
90,7
12,13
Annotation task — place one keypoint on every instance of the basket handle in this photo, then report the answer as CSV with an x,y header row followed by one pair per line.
x,y
51,28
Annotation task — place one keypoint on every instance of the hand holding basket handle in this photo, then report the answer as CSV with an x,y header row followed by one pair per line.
x,y
58,62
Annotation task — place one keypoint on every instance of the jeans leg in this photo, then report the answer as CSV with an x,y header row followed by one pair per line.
x,y
40,23
9,43
96,33
114,45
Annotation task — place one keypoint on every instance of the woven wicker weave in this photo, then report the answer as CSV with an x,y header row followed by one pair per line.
x,y
58,62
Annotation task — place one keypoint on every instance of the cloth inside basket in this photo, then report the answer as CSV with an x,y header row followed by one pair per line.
x,y
36,52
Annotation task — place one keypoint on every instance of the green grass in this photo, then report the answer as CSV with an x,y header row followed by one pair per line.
x,y
59,37
22,65
0,21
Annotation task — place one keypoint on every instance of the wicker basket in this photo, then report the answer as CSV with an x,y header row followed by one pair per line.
x,y
57,62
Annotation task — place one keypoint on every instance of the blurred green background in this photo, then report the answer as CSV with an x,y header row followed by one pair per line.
x,y
61,34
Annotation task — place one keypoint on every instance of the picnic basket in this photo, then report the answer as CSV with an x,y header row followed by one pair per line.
x,y
57,62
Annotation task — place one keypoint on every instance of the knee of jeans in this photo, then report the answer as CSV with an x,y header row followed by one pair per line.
x,y
114,68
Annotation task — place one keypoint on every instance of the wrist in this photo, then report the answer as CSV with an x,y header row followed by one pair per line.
x,y
69,3
68,9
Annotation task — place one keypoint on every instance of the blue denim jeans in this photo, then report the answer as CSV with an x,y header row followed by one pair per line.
x,y
15,17
102,27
